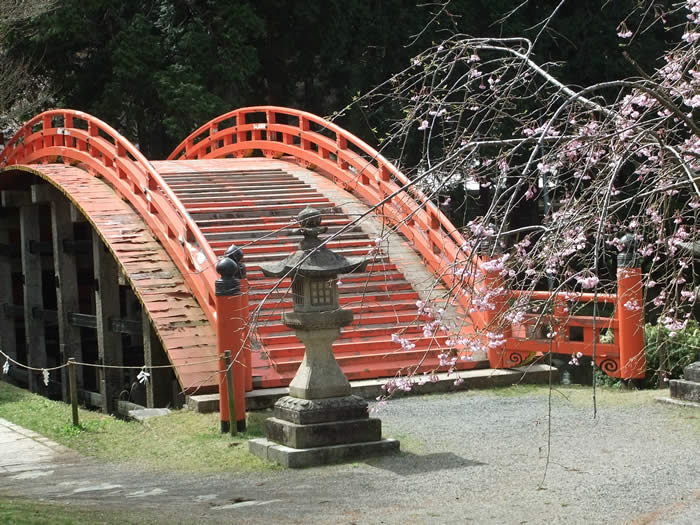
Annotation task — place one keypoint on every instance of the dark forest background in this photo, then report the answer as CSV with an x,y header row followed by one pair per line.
x,y
157,69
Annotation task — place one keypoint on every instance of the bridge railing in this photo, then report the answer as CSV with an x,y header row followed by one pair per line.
x,y
79,138
76,137
556,327
352,164
347,160
554,330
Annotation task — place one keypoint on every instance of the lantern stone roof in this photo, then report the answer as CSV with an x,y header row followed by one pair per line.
x,y
313,259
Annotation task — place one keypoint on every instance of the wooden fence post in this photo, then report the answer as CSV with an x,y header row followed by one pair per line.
x,y
73,380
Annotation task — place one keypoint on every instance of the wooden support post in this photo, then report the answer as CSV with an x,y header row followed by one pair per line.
x,y
33,297
630,313
131,309
245,336
107,306
65,270
73,381
158,387
8,343
177,394
491,320
228,363
229,327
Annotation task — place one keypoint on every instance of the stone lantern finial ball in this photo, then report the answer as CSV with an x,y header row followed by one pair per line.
x,y
227,268
628,242
234,252
309,218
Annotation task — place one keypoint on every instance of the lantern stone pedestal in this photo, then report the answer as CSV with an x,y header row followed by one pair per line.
x,y
310,432
319,421
687,389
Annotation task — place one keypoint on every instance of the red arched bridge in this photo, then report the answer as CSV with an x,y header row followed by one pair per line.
x,y
109,258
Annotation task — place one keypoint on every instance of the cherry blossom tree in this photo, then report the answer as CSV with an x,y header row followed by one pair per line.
x,y
599,167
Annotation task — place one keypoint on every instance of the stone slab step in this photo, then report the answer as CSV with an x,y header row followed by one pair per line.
x,y
692,372
677,402
369,389
685,390
309,457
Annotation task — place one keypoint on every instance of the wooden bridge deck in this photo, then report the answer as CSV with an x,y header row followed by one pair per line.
x,y
252,203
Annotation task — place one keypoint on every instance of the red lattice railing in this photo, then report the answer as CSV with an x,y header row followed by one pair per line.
x,y
342,157
522,342
79,138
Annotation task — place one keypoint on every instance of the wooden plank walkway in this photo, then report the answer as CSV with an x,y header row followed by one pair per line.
x,y
253,203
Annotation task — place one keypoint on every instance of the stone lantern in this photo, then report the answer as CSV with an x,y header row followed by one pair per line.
x,y
320,421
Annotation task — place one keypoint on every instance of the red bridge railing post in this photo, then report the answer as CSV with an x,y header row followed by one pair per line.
x,y
229,330
246,335
491,319
630,313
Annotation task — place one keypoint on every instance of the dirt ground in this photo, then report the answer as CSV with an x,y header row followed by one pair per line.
x,y
472,457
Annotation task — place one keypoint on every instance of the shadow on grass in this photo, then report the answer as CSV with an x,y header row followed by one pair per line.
x,y
409,464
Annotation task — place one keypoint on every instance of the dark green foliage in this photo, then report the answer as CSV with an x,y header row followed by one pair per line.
x,y
157,69
666,355
153,69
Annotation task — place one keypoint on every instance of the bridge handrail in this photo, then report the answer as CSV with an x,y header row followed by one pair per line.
x,y
579,297
107,153
276,131
560,320
346,159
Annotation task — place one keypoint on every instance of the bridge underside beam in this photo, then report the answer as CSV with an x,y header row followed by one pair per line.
x,y
8,339
109,343
35,335
175,321
65,271
158,389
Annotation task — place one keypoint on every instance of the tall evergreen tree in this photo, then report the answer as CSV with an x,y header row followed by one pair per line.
x,y
154,69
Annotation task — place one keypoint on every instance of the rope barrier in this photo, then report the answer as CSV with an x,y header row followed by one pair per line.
x,y
97,365
143,375
22,365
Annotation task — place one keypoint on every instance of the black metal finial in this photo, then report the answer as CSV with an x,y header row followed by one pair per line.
x,y
231,271
236,253
627,258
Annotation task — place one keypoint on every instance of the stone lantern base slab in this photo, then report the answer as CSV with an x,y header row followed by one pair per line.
x,y
687,389
309,457
308,411
323,434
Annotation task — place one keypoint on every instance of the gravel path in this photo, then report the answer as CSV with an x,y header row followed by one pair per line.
x,y
472,457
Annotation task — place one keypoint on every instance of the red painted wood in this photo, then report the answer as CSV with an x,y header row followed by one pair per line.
x,y
196,208
177,318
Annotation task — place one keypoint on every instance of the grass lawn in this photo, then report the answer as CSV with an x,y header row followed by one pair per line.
x,y
186,441
183,441
27,512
